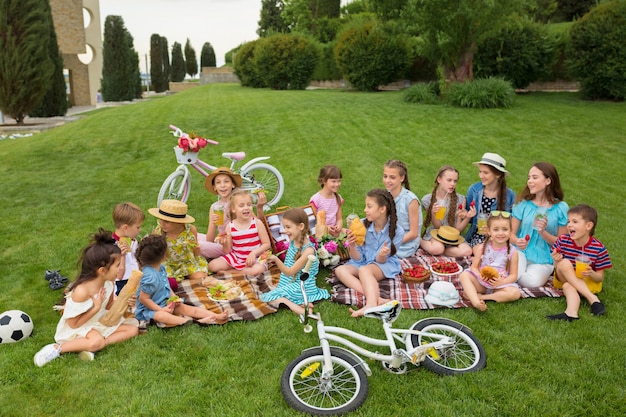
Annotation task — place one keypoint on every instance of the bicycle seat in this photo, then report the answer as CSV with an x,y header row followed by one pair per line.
x,y
388,312
237,156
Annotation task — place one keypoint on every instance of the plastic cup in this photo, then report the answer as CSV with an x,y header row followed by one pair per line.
x,y
481,222
441,213
540,214
219,210
582,263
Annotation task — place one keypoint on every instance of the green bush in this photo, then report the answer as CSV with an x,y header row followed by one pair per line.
x,y
598,51
520,53
326,68
286,61
423,93
368,57
482,93
245,65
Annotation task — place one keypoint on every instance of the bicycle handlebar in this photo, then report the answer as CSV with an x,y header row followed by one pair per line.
x,y
178,133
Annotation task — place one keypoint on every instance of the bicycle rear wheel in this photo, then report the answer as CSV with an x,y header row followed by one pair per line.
x,y
305,390
465,355
175,187
266,177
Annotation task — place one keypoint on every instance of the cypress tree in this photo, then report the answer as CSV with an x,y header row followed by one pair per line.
x,y
178,63
54,103
167,69
207,56
25,64
120,63
156,64
191,62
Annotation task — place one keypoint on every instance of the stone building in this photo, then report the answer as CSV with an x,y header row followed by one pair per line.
x,y
79,32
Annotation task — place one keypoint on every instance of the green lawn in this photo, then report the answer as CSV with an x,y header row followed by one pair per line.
x,y
60,186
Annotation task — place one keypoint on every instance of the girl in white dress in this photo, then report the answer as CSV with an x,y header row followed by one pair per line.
x,y
87,300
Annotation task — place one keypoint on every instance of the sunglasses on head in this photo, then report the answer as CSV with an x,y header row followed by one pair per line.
x,y
498,213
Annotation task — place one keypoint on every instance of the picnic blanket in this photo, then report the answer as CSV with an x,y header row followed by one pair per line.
x,y
412,295
247,307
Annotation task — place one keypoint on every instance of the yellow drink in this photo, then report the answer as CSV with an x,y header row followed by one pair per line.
x,y
582,263
481,222
440,214
219,210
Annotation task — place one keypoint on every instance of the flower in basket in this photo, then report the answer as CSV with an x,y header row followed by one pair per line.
x,y
328,249
281,249
191,142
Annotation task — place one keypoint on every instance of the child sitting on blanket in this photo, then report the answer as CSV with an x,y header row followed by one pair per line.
x,y
155,300
375,259
493,272
183,258
296,225
445,207
245,240
577,278
328,198
222,181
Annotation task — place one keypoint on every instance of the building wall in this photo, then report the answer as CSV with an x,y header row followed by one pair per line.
x,y
74,39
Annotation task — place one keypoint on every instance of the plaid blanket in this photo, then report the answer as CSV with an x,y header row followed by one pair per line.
x,y
247,307
412,295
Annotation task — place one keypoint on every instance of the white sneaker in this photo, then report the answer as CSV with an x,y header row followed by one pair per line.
x,y
47,354
86,356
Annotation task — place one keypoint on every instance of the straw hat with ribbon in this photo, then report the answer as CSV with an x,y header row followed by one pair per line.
x,y
448,235
173,211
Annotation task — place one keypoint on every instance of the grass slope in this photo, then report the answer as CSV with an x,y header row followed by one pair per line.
x,y
60,186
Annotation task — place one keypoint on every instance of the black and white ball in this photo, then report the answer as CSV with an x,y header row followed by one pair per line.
x,y
15,325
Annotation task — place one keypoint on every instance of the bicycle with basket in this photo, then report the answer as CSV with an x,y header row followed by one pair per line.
x,y
256,176
332,380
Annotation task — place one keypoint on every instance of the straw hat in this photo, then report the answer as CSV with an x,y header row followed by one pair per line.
x,y
208,183
494,160
448,235
173,211
442,293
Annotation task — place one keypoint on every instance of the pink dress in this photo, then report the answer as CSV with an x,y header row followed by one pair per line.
x,y
244,242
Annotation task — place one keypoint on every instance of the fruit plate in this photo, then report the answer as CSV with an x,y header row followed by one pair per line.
x,y
444,271
416,274
222,292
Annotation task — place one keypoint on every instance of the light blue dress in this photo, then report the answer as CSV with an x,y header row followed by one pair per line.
x,y
289,287
403,200
538,250
373,243
155,284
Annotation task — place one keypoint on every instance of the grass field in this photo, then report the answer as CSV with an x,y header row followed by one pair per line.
x,y
60,186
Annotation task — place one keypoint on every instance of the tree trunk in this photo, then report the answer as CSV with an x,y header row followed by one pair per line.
x,y
463,68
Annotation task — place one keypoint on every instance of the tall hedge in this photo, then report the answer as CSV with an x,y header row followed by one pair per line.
x,y
120,62
369,57
598,51
207,56
521,53
286,61
244,65
191,62
178,63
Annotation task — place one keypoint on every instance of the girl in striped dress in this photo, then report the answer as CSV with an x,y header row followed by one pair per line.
x,y
296,225
245,238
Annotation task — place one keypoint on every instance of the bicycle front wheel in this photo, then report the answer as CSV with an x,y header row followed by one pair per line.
x,y
465,355
267,177
175,187
305,389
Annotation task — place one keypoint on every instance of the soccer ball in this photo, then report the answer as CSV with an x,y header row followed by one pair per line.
x,y
15,325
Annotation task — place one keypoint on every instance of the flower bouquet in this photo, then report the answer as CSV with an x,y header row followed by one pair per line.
x,y
190,142
331,250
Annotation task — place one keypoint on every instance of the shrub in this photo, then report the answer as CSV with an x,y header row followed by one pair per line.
x,y
424,93
244,65
520,53
598,52
368,57
326,68
482,93
286,61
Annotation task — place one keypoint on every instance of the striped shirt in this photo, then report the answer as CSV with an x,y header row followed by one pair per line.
x,y
244,242
594,249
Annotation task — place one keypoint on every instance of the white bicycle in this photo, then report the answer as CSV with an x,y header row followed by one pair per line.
x,y
332,380
255,175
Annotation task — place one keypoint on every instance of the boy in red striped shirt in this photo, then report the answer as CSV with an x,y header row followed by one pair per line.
x,y
587,281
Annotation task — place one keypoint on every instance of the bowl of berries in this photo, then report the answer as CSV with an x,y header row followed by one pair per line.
x,y
415,274
445,270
